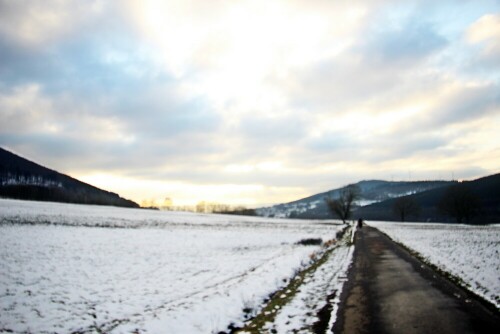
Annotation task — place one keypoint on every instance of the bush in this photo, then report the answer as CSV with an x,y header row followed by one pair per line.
x,y
310,242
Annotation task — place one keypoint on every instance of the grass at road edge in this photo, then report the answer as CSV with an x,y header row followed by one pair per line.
x,y
458,281
283,296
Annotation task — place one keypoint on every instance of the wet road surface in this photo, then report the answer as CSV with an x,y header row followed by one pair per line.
x,y
390,291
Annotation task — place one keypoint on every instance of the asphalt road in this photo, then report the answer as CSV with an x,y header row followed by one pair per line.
x,y
390,291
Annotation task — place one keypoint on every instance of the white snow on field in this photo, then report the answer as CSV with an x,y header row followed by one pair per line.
x,y
465,251
300,314
64,269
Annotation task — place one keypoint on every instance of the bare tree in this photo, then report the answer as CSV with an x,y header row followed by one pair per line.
x,y
201,207
405,206
342,206
460,203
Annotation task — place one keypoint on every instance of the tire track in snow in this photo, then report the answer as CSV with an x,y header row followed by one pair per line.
x,y
185,301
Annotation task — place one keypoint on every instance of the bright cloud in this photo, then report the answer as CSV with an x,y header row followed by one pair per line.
x,y
251,102
485,32
486,28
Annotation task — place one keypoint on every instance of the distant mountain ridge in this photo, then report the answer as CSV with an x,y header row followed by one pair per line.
x,y
372,191
486,189
378,197
23,179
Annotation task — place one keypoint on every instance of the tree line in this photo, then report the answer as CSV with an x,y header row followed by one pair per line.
x,y
200,207
55,188
63,195
458,202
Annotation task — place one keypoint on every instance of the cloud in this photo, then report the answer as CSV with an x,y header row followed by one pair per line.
x,y
452,102
485,29
412,42
34,24
108,138
485,34
377,67
258,96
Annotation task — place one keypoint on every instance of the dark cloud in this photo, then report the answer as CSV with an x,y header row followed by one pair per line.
x,y
412,144
455,104
469,102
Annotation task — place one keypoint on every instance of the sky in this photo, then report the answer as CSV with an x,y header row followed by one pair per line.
x,y
251,102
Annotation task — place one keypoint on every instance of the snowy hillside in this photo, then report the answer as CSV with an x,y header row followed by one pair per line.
x,y
373,191
76,268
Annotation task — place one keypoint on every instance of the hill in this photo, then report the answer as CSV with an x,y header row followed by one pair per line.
x,y
372,191
486,189
24,179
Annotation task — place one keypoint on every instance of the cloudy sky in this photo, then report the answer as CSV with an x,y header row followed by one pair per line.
x,y
251,102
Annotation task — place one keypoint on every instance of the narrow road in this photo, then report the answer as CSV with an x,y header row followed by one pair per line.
x,y
390,291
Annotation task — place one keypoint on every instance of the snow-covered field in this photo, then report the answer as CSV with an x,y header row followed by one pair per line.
x,y
300,314
468,252
76,268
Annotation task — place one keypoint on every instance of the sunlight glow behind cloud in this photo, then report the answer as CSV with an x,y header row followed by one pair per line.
x,y
251,102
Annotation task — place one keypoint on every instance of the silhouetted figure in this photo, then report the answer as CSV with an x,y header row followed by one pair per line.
x,y
360,223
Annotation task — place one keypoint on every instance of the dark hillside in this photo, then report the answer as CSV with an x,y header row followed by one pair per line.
x,y
24,179
314,207
487,189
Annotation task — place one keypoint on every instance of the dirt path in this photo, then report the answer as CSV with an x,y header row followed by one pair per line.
x,y
389,291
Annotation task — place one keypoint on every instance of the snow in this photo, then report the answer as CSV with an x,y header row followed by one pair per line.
x,y
290,209
10,179
468,252
69,268
300,314
365,202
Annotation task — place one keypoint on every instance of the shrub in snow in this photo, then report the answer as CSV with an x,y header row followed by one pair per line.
x,y
310,242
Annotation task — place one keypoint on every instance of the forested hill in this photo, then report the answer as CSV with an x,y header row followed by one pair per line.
x,y
24,179
486,191
371,191
377,201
